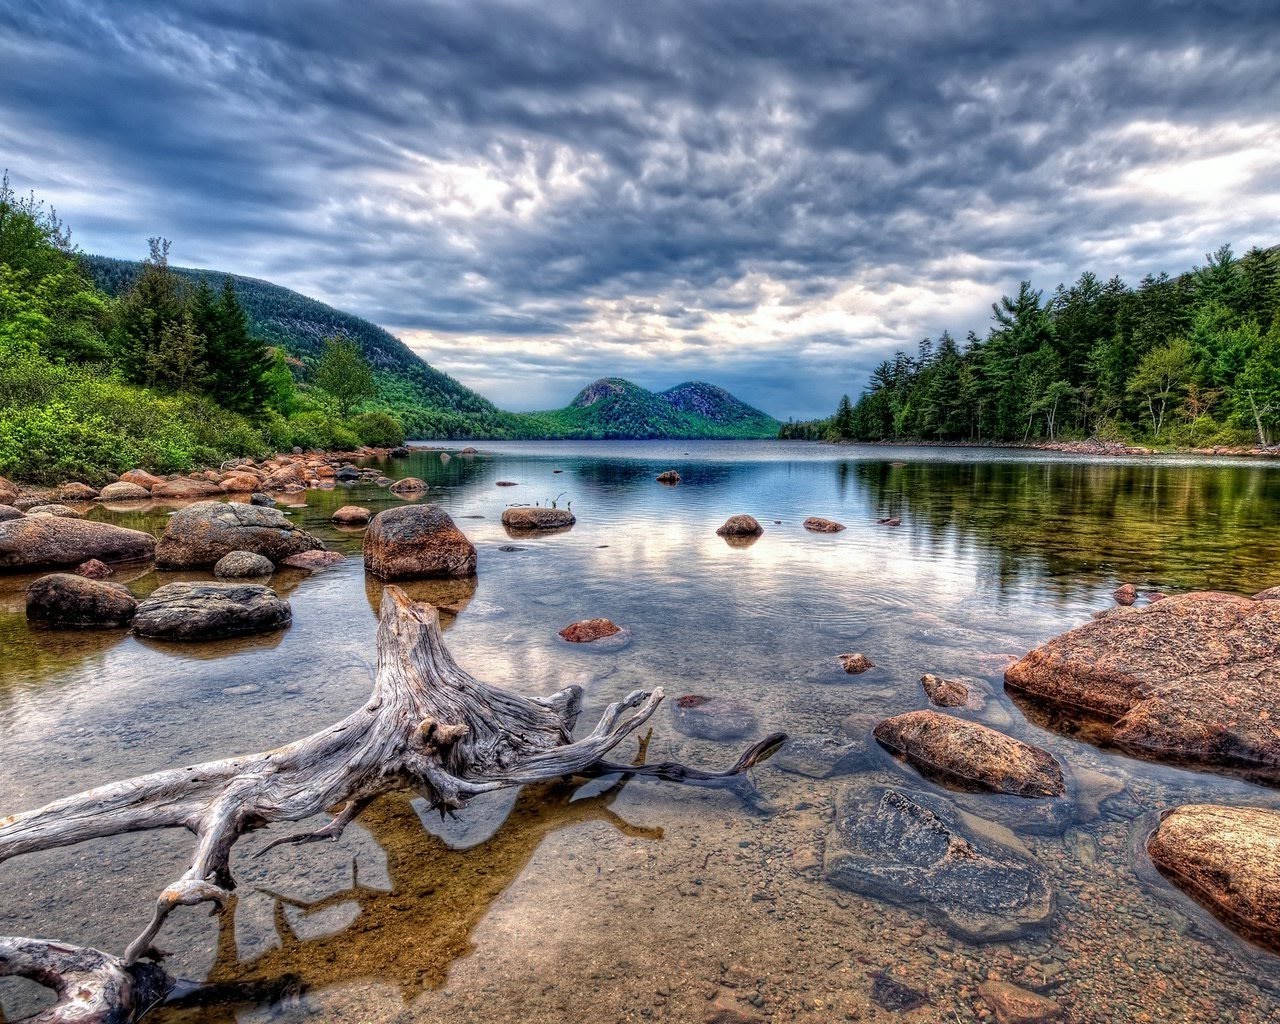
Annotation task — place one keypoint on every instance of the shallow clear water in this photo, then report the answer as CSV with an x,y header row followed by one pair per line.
x,y
651,901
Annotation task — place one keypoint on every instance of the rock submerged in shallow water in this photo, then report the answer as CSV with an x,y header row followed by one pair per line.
x,y
740,526
816,524
537,517
820,757
1014,1005
50,542
589,630
210,611
417,542
198,535
123,490
1193,678
916,852
945,693
1227,858
856,663
971,753
712,718
242,565
70,601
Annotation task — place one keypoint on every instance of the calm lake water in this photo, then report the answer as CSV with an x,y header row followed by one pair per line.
x,y
648,901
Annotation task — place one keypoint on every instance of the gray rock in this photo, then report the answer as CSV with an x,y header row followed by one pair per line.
x,y
198,535
820,757
242,564
210,611
712,718
914,851
70,601
50,542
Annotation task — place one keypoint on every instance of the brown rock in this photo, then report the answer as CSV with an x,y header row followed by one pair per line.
x,y
740,526
75,491
8,492
537,518
409,485
669,476
1227,858
185,488
140,477
417,542
588,630
287,478
63,599
945,693
239,483
53,509
817,524
8,512
123,490
1193,677
351,515
856,663
314,560
1270,594
1125,594
507,483
1014,1005
52,542
93,570
972,753
200,534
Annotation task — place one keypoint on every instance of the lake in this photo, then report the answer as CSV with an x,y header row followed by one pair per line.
x,y
642,901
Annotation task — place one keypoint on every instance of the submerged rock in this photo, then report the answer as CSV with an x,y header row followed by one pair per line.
x,y
50,542
816,524
210,611
1227,858
242,564
537,518
712,718
200,534
856,663
123,490
819,756
740,526
971,753
945,693
1195,677
1014,1005
417,542
916,852
71,601
589,630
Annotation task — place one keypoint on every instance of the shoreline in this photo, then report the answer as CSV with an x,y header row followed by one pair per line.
x,y
1107,449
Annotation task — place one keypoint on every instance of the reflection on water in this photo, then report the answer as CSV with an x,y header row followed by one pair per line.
x,y
568,908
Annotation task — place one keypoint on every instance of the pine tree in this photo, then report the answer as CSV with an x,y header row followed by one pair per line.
x,y
238,362
156,299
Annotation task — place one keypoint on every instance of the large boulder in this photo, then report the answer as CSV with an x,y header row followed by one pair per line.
x,y
417,542
916,851
1195,677
210,611
971,753
52,542
537,517
67,600
741,526
185,489
1227,858
123,490
200,534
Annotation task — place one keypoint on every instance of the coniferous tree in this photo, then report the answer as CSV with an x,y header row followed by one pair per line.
x,y
156,299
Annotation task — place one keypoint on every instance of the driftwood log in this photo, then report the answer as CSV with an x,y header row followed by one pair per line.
x,y
429,726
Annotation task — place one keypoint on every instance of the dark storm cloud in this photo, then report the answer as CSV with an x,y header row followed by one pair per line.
x,y
770,195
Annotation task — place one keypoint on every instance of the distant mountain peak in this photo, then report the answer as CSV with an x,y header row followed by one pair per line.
x,y
604,388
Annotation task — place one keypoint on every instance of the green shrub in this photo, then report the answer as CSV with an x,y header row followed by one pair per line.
x,y
378,429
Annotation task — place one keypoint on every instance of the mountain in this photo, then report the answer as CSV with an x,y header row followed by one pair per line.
x,y
432,404
616,408
428,402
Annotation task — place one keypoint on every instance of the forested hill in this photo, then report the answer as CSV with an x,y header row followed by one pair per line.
x,y
1191,360
429,402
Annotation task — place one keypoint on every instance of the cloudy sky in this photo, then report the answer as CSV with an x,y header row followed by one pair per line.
x,y
770,196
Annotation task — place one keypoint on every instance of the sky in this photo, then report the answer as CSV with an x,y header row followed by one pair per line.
x,y
769,196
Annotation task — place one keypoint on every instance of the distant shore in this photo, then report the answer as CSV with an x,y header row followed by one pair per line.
x,y
1092,447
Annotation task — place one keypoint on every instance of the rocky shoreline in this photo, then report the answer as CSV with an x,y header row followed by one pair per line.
x,y
1091,447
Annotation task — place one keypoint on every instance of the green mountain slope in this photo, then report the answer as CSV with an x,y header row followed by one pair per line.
x,y
616,408
431,404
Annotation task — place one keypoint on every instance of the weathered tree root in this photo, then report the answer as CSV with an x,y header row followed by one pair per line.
x,y
428,726
92,987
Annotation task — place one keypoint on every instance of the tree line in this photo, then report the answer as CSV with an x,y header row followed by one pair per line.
x,y
1192,360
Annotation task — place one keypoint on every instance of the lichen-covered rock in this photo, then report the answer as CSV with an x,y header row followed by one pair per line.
x,y
915,851
741,526
52,542
242,565
1195,677
855,663
417,542
589,630
972,753
70,601
210,611
537,518
816,524
124,490
351,515
200,534
186,489
1227,858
